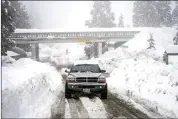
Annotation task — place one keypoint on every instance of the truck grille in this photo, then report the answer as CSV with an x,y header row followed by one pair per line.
x,y
86,79
86,86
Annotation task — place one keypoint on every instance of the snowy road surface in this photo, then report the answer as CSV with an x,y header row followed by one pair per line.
x,y
94,107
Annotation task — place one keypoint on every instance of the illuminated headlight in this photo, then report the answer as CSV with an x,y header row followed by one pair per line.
x,y
102,80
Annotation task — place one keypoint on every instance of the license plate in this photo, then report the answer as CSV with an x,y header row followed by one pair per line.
x,y
86,90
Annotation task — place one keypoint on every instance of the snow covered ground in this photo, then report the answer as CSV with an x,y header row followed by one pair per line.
x,y
62,53
29,88
95,108
141,76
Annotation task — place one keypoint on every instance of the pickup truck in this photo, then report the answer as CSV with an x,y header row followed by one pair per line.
x,y
86,78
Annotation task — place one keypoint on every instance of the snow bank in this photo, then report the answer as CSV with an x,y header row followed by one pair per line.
x,y
28,89
162,36
11,53
62,54
149,79
140,74
172,49
7,59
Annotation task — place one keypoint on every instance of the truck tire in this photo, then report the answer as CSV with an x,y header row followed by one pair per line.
x,y
67,92
104,93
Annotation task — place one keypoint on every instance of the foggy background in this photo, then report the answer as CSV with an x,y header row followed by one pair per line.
x,y
71,14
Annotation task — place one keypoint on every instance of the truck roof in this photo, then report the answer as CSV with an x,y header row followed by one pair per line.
x,y
85,62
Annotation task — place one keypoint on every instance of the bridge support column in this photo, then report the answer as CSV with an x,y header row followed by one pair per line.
x,y
99,49
35,52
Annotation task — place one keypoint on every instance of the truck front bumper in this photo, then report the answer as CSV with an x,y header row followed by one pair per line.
x,y
94,87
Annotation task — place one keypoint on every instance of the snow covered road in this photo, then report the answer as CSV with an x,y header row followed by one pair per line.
x,y
94,107
87,106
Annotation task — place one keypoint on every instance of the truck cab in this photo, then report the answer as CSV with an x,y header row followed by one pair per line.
x,y
86,77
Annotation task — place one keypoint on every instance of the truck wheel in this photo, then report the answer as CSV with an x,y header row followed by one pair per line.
x,y
67,92
104,93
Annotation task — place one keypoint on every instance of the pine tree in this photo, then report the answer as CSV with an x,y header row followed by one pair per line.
x,y
152,14
21,16
7,25
22,21
175,14
143,14
151,42
163,11
121,21
102,17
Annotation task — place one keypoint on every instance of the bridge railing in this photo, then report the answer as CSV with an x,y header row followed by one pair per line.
x,y
75,34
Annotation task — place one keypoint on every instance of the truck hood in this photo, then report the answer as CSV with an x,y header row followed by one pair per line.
x,y
86,74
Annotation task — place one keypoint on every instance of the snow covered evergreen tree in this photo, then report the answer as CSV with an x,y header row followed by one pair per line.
x,y
121,21
163,12
151,14
151,42
22,21
102,17
7,25
143,14
175,14
21,16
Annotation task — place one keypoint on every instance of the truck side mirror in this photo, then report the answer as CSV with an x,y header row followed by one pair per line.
x,y
102,71
66,71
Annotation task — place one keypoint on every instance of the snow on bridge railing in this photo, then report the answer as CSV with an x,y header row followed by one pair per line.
x,y
60,33
75,30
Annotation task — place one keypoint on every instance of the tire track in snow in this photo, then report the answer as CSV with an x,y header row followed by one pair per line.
x,y
77,109
118,108
58,108
73,108
83,112
94,107
67,110
113,111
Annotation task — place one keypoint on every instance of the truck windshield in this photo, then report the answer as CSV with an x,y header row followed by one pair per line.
x,y
86,68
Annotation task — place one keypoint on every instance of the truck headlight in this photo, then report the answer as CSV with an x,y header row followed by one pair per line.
x,y
71,79
101,80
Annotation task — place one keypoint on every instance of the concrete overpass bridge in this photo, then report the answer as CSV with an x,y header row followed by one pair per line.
x,y
36,36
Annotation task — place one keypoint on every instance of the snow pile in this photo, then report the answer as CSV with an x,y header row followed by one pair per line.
x,y
29,88
7,59
11,53
62,54
172,48
162,36
140,74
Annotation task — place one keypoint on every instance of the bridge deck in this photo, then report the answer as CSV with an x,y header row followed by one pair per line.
x,y
22,36
75,30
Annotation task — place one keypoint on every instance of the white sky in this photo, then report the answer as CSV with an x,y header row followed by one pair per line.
x,y
71,14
